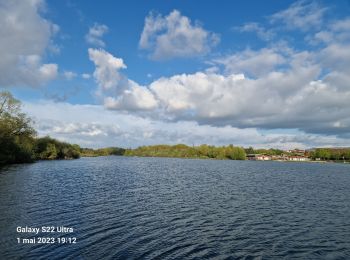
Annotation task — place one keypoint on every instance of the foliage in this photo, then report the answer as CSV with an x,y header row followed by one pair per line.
x,y
184,151
17,137
87,152
16,132
47,148
270,151
336,154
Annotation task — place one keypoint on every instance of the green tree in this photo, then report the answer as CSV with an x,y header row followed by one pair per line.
x,y
16,132
347,155
323,153
249,150
47,148
50,152
238,153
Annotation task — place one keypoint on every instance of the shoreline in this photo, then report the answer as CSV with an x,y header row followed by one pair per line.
x,y
191,158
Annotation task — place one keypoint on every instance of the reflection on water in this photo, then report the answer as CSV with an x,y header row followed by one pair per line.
x,y
128,208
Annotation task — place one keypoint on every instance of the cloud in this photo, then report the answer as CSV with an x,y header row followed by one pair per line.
x,y
336,55
341,25
25,35
261,32
253,63
335,32
294,97
107,69
95,34
284,89
85,125
175,36
135,98
274,87
85,76
69,75
301,15
119,92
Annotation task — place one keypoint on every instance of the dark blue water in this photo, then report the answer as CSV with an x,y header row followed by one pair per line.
x,y
159,208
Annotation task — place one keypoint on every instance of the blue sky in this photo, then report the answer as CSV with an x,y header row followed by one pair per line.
x,y
261,73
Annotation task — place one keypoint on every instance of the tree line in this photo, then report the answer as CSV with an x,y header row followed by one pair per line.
x,y
271,151
334,154
183,151
88,152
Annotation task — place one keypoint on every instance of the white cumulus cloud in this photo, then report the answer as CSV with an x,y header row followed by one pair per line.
x,y
135,98
118,91
107,69
25,35
274,87
253,63
174,36
285,90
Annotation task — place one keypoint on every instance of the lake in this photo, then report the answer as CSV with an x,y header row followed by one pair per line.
x,y
166,208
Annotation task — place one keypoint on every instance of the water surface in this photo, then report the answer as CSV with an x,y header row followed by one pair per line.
x,y
164,208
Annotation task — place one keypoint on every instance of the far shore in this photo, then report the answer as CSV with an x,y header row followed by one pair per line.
x,y
206,158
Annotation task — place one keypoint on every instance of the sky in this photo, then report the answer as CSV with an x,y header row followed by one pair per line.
x,y
272,74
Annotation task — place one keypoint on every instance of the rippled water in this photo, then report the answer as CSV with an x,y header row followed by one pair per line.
x,y
163,208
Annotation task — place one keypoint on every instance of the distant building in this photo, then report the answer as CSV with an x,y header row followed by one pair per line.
x,y
297,158
297,152
259,157
283,157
